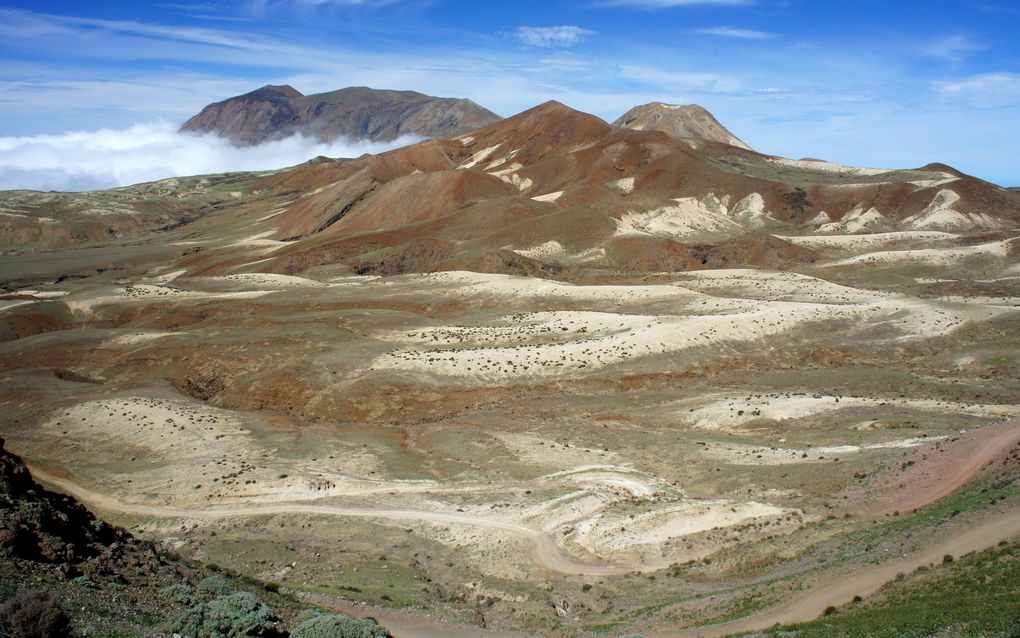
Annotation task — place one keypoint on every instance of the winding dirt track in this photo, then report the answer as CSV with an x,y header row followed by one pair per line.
x,y
807,606
840,590
547,553
955,478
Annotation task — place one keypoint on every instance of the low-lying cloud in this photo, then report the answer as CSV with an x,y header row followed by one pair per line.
x,y
108,158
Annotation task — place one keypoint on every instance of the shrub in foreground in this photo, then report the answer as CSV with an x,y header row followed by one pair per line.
x,y
337,626
238,615
34,614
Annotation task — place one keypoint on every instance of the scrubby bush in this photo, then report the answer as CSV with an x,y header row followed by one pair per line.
x,y
336,626
34,614
212,587
180,594
238,615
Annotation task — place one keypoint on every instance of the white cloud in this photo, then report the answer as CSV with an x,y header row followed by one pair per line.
x,y
732,32
107,158
552,37
985,90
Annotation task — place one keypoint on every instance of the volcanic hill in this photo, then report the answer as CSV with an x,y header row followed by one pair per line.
x,y
360,113
553,189
688,120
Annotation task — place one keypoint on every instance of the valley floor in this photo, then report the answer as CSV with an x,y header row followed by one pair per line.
x,y
690,453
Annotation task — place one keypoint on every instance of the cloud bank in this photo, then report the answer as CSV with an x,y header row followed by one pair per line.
x,y
91,160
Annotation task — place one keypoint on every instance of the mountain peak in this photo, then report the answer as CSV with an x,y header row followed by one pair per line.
x,y
360,113
678,120
271,90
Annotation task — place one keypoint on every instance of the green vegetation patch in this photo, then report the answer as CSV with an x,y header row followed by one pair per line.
x,y
973,596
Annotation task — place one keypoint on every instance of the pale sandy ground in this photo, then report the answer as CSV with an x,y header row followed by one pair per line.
x,y
930,256
548,197
688,217
492,285
556,344
43,294
259,241
270,280
870,241
553,250
940,214
85,303
733,411
624,185
222,470
757,455
134,337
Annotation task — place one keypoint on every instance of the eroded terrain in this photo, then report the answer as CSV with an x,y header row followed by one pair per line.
x,y
629,453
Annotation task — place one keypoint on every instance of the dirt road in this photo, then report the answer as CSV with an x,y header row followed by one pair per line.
x,y
949,479
547,553
840,590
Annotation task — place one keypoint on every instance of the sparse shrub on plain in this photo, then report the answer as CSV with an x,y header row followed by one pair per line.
x,y
34,614
238,615
337,626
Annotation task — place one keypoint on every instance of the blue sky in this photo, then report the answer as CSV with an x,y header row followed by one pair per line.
x,y
866,82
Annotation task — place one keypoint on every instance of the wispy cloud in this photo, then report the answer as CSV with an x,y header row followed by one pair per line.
x,y
954,48
552,37
984,90
667,4
733,32
89,160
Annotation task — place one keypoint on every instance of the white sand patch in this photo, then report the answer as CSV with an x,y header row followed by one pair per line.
x,y
84,304
609,533
556,251
269,280
868,241
750,211
259,241
496,285
465,140
274,213
136,337
513,168
43,294
522,183
168,277
827,167
733,411
623,185
548,197
688,216
940,214
479,157
563,344
857,220
771,285
740,454
10,304
820,219
577,342
937,179
503,160
635,482
929,256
